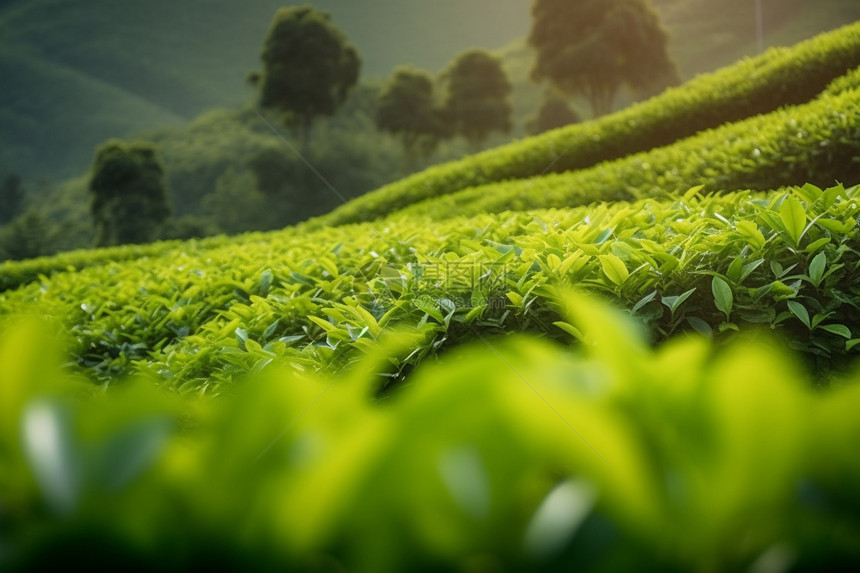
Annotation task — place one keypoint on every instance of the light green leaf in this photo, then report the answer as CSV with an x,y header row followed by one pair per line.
x,y
329,266
815,245
723,296
793,217
515,298
265,282
750,232
810,193
735,269
324,324
614,269
570,329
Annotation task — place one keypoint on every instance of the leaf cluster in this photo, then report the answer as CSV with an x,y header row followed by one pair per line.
x,y
531,456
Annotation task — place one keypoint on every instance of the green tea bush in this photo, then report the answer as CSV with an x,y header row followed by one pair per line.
x,y
16,273
780,77
195,318
508,455
849,81
812,142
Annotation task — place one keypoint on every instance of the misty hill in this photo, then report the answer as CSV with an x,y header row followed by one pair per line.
x,y
77,73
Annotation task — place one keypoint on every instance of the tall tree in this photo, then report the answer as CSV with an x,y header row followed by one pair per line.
x,y
11,198
478,96
593,47
308,67
407,108
128,199
553,112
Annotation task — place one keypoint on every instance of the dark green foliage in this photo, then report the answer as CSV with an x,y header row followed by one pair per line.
x,y
11,197
188,227
477,101
553,113
309,67
272,168
758,85
593,47
27,236
224,146
407,108
128,201
236,204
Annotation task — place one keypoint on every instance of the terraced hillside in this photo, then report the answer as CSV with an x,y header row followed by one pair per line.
x,y
759,85
424,379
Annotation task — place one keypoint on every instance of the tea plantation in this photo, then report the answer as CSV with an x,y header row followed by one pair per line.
x,y
626,345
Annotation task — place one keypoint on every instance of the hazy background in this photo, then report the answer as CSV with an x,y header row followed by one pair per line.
x,y
77,72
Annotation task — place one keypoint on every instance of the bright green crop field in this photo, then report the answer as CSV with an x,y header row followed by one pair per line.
x,y
607,348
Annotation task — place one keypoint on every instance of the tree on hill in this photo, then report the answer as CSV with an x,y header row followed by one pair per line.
x,y
11,198
309,68
554,112
27,236
128,200
593,47
407,108
478,102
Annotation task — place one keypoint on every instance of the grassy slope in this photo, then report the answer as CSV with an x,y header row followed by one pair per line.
x,y
757,85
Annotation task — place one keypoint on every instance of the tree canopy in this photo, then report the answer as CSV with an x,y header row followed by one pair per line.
x,y
309,67
407,108
27,236
478,101
128,200
593,47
